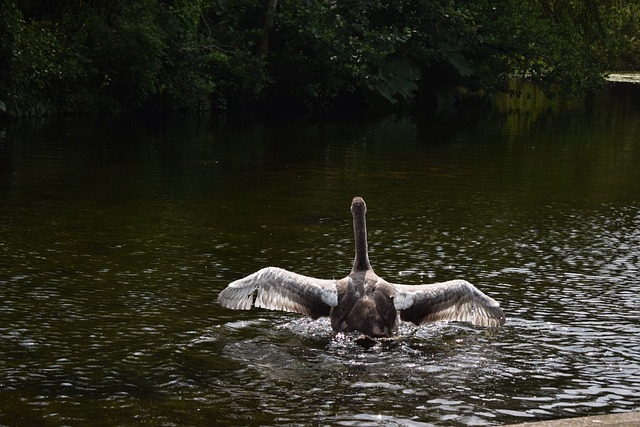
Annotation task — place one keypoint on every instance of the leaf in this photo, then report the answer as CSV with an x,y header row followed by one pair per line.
x,y
396,79
401,67
460,63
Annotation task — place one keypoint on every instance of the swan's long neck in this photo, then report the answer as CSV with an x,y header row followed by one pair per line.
x,y
358,210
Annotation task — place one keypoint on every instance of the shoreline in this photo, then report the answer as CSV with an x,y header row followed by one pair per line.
x,y
622,419
624,78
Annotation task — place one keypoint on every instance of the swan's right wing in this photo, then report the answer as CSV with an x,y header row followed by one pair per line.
x,y
279,289
455,300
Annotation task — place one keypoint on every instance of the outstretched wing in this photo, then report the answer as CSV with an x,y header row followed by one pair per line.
x,y
456,300
279,289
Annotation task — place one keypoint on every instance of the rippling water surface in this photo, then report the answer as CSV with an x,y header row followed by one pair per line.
x,y
117,236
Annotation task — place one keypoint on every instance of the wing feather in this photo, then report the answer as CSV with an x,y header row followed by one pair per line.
x,y
279,289
456,300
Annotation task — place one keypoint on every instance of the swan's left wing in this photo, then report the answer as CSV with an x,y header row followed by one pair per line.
x,y
279,289
456,300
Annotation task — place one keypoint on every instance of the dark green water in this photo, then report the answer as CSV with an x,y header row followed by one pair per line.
x,y
117,235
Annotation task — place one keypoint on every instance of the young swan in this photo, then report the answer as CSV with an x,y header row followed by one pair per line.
x,y
362,301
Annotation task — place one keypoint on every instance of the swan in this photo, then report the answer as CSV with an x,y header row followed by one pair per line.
x,y
362,301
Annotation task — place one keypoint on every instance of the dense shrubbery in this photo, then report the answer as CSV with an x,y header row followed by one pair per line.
x,y
116,55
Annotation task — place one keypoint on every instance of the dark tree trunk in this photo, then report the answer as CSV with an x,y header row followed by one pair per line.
x,y
263,47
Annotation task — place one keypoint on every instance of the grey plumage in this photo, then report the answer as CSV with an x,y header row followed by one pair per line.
x,y
362,301
453,300
279,289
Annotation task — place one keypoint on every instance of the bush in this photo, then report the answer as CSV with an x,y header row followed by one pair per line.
x,y
122,55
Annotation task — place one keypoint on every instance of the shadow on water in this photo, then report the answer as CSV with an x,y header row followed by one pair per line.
x,y
115,241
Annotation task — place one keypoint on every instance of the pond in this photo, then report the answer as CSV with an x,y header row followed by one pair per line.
x,y
117,235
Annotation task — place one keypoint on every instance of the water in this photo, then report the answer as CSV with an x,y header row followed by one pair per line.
x,y
117,235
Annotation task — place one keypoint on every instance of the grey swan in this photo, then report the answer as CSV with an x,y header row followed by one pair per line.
x,y
363,301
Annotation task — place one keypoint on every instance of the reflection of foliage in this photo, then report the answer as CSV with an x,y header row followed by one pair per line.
x,y
178,54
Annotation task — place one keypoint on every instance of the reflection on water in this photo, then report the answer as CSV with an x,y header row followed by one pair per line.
x,y
115,241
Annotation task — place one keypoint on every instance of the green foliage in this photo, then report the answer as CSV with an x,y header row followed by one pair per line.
x,y
121,55
125,48
396,79
184,81
233,32
564,42
36,63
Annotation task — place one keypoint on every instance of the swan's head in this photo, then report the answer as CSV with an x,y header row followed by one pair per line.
x,y
358,206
